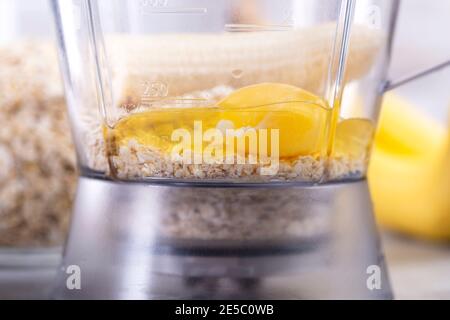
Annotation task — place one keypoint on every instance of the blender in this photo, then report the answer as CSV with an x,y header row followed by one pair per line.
x,y
223,147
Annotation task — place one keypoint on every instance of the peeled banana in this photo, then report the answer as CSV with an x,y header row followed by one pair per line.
x,y
409,174
170,65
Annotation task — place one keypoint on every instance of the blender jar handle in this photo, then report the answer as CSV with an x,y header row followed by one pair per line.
x,y
392,84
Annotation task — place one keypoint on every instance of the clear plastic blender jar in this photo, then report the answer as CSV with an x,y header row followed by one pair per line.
x,y
225,91
223,130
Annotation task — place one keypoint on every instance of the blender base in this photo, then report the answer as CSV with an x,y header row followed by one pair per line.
x,y
115,252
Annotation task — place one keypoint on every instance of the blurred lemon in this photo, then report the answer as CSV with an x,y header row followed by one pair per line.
x,y
409,174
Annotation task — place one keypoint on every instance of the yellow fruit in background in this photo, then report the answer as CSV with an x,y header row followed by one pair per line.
x,y
299,115
404,129
409,173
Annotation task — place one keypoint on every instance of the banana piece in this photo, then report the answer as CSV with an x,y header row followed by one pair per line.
x,y
409,174
170,65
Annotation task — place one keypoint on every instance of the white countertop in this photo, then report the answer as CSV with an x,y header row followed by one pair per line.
x,y
417,270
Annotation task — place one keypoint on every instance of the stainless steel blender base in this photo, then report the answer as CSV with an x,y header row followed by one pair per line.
x,y
115,245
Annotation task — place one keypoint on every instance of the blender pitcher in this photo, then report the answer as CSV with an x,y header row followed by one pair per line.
x,y
223,147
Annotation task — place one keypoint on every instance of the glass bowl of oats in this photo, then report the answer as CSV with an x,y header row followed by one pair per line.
x,y
37,159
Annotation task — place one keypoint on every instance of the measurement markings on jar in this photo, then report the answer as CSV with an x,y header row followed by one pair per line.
x,y
239,27
173,10
163,6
